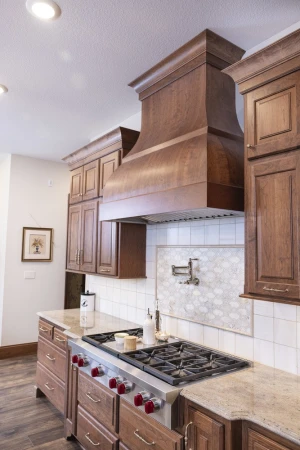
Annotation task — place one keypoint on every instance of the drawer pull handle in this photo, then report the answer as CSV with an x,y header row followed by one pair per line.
x,y
275,290
136,433
88,394
48,387
105,270
186,437
44,330
50,357
59,340
87,436
250,146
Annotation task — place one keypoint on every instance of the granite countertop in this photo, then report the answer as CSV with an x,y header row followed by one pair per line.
x,y
263,395
77,324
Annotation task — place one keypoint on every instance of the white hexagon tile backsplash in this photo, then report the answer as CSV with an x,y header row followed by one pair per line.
x,y
215,301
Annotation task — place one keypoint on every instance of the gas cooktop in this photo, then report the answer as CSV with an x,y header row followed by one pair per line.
x,y
177,362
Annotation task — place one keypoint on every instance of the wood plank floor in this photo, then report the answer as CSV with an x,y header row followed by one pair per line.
x,y
25,421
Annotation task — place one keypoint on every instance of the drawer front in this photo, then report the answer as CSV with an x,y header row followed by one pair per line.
x,y
257,441
52,358
92,434
45,330
100,402
139,431
52,387
122,446
60,339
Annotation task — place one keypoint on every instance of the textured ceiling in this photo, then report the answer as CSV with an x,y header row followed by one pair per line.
x,y
68,79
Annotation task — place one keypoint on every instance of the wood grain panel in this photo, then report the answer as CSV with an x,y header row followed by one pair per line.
x,y
99,401
134,421
45,329
60,339
51,386
91,180
88,245
206,433
257,441
107,263
92,434
76,185
108,164
52,358
74,237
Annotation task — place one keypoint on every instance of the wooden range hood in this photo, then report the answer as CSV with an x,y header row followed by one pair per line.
x,y
188,160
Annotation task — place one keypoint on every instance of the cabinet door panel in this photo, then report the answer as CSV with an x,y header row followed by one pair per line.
x,y
108,248
76,185
74,237
206,433
91,180
257,441
108,164
88,248
272,238
272,116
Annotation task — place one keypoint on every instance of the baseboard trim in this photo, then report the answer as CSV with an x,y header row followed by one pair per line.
x,y
10,351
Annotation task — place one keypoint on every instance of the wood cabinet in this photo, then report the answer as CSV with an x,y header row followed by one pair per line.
x,y
91,433
257,438
51,386
82,237
76,185
272,117
108,164
121,250
257,441
71,392
139,431
273,206
205,433
90,180
270,82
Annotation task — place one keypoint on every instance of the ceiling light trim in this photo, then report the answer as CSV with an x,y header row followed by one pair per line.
x,y
30,4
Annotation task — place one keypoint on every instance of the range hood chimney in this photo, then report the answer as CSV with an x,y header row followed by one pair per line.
x,y
188,160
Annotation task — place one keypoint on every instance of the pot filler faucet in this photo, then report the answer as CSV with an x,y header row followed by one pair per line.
x,y
189,273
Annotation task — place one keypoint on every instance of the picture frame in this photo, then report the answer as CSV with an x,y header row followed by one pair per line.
x,y
37,244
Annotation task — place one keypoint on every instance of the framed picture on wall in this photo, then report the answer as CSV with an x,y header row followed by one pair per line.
x,y
37,244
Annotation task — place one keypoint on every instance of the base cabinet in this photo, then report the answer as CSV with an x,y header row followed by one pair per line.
x,y
205,433
92,434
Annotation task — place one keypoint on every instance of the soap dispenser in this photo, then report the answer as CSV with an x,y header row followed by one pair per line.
x,y
149,330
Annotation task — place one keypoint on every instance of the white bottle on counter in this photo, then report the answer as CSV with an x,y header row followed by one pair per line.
x,y
149,330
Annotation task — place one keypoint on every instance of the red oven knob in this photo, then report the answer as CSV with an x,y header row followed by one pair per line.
x,y
141,398
75,359
83,361
97,371
152,405
112,383
124,388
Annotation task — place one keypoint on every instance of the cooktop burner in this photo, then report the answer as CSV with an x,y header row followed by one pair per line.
x,y
175,363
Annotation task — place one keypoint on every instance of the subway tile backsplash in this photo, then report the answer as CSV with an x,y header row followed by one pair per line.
x,y
276,340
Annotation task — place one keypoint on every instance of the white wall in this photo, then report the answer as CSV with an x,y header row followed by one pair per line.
x,y
33,203
4,196
276,339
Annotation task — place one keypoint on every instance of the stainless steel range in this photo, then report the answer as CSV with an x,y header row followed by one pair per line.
x,y
150,377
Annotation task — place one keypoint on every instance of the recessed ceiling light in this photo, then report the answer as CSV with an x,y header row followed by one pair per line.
x,y
43,9
3,89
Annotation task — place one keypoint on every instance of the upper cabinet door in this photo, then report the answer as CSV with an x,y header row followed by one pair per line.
x,y
272,232
108,248
91,180
76,185
272,117
74,240
108,164
88,247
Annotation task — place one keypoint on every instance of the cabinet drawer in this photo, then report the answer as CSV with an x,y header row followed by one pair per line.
x,y
45,329
139,431
52,387
100,402
60,339
257,441
52,358
92,434
123,447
